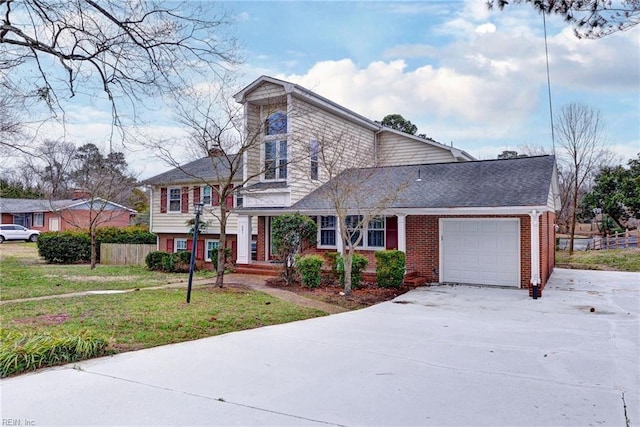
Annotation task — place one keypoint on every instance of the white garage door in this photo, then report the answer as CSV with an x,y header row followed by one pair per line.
x,y
480,251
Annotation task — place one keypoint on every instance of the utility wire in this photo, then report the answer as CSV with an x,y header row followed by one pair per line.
x,y
546,51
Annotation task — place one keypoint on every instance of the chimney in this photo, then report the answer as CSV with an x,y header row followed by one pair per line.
x,y
215,152
79,193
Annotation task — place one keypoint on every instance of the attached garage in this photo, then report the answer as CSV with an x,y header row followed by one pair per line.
x,y
482,251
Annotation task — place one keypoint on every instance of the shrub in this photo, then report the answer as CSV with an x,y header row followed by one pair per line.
x,y
178,262
22,353
390,266
332,263
181,262
131,235
155,260
309,267
68,247
358,264
292,233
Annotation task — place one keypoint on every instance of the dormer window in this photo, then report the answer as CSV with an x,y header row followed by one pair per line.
x,y
276,124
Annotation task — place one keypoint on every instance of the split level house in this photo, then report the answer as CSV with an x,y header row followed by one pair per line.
x,y
458,220
63,215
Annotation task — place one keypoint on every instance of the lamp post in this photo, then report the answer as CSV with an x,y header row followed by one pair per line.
x,y
197,208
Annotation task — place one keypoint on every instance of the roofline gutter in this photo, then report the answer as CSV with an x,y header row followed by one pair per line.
x,y
495,210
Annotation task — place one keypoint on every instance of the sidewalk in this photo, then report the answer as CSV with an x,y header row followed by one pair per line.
x,y
251,281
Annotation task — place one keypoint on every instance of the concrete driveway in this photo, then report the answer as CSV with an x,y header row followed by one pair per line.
x,y
436,356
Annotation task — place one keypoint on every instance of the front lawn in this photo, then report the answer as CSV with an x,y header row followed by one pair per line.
x,y
20,278
611,259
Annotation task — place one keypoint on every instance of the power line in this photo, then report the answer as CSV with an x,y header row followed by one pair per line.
x,y
546,51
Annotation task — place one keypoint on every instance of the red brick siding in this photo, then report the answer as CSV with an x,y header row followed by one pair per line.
x,y
164,245
423,245
261,249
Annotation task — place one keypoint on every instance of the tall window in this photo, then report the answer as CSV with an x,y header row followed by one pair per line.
x,y
38,219
275,146
206,195
180,245
276,124
375,233
327,231
314,149
275,159
174,200
212,250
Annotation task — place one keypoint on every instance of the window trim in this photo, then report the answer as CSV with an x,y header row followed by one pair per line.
x,y
169,200
206,248
175,245
321,229
279,158
364,242
38,223
314,164
203,190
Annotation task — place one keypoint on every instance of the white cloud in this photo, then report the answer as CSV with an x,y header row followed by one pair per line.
x,y
486,28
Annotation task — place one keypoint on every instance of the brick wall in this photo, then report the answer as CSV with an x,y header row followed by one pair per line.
x,y
423,245
231,243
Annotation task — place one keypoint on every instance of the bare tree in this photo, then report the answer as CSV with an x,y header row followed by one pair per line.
x,y
592,18
102,180
218,132
581,134
353,190
121,50
51,162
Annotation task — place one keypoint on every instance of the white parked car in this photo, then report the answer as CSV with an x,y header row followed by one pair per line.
x,y
17,232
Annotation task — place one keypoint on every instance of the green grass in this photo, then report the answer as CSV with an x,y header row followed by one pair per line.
x,y
145,319
612,259
20,278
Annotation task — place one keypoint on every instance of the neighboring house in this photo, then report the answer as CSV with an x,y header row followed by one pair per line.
x,y
63,215
457,219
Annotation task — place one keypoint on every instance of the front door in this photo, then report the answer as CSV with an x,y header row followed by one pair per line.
x,y
54,224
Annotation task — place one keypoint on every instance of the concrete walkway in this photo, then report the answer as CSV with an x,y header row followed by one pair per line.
x,y
443,355
250,281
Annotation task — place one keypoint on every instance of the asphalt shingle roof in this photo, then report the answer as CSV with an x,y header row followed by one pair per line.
x,y
490,183
206,168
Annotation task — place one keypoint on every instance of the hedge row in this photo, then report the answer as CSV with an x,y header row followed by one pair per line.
x,y
71,247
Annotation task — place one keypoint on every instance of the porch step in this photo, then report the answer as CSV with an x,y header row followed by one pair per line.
x,y
261,269
415,280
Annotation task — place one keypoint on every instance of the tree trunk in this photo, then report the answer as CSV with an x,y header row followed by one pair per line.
x,y
222,244
574,217
93,247
347,261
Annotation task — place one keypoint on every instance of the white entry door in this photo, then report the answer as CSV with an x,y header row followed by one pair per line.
x,y
480,251
54,224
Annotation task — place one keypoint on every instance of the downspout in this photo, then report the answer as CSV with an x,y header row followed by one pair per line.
x,y
535,253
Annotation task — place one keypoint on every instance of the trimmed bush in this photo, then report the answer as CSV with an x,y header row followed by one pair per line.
x,y
332,262
131,235
309,267
390,266
177,262
21,353
68,247
71,247
358,265
155,260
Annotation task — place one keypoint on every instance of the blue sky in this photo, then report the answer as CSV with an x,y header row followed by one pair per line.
x,y
462,74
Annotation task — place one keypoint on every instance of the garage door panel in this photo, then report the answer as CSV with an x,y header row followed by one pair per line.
x,y
482,251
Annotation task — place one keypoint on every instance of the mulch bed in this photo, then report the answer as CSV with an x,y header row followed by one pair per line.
x,y
367,294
